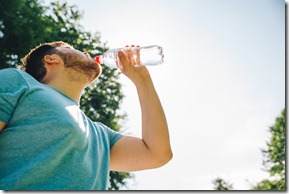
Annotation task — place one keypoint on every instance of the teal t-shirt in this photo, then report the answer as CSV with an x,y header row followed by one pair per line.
x,y
48,142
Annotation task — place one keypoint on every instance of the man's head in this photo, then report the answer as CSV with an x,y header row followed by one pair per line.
x,y
39,58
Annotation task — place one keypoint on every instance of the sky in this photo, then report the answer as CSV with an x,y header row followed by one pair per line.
x,y
222,83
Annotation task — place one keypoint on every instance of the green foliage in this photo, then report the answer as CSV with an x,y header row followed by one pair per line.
x,y
117,179
221,184
272,185
275,156
25,24
20,28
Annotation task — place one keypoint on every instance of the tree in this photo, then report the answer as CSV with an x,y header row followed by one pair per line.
x,y
275,156
221,184
27,23
21,26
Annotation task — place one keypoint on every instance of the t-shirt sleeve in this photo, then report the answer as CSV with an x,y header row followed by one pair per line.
x,y
12,87
113,136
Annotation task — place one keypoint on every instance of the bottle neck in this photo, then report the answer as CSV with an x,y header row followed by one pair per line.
x,y
99,59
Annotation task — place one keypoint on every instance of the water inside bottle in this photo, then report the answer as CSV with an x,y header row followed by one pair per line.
x,y
148,55
110,62
110,58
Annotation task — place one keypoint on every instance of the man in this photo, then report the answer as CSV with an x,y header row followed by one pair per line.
x,y
46,141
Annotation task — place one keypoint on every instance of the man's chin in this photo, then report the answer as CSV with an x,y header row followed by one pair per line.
x,y
98,71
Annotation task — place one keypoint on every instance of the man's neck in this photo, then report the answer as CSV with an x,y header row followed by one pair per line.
x,y
72,89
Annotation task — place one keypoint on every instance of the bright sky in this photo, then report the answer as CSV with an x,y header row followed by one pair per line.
x,y
222,83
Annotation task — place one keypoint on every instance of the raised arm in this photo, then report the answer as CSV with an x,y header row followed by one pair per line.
x,y
153,149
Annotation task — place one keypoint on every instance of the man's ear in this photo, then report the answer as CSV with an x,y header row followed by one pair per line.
x,y
52,59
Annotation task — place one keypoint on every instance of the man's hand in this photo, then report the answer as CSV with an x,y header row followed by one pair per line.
x,y
129,64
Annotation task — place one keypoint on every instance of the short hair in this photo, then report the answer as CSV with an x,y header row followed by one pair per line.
x,y
33,62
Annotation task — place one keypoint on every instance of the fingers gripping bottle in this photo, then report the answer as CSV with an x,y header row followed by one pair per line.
x,y
148,56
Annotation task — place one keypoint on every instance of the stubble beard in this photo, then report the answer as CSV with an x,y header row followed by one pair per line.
x,y
84,70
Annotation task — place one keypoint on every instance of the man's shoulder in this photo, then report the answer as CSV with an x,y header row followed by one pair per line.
x,y
16,76
11,72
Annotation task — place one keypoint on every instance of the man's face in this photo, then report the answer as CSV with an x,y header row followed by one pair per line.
x,y
80,62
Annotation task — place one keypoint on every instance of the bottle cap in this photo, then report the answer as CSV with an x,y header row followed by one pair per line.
x,y
98,59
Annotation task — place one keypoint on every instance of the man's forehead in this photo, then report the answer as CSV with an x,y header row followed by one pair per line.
x,y
67,46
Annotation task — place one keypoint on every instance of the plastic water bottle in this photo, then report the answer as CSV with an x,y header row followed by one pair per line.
x,y
148,56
